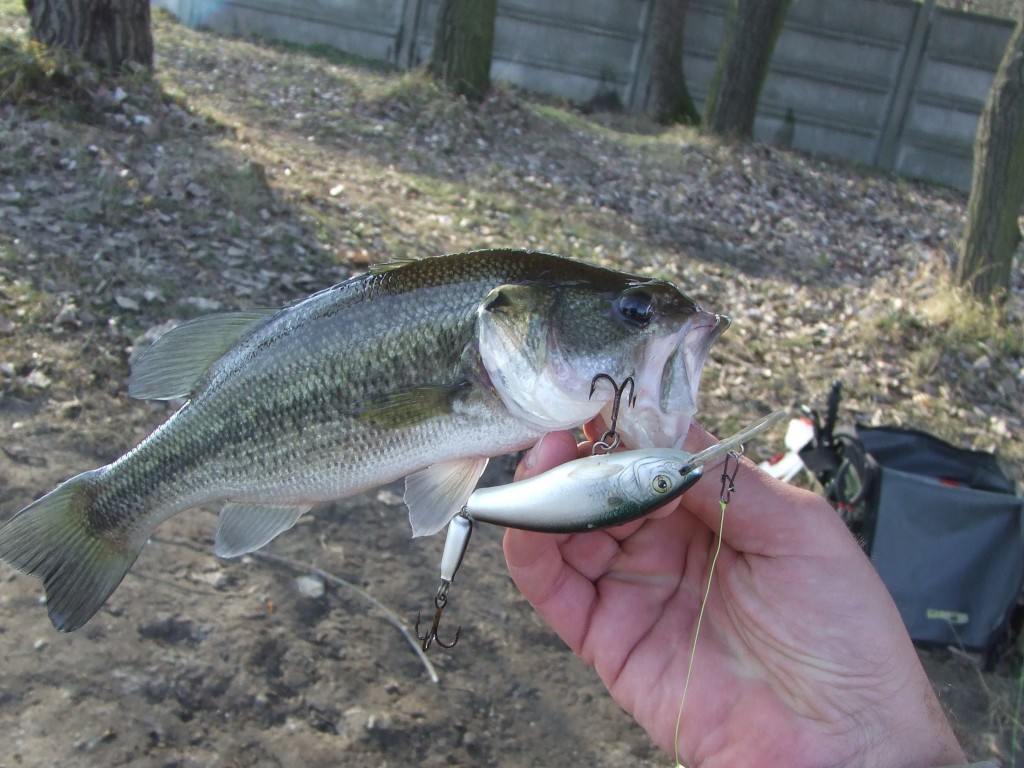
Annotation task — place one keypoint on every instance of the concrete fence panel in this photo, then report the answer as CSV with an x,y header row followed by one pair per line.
x,y
896,84
366,28
956,71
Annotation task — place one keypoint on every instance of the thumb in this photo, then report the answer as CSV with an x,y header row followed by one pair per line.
x,y
552,449
533,558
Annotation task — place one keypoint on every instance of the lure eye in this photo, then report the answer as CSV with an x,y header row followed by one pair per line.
x,y
636,305
661,484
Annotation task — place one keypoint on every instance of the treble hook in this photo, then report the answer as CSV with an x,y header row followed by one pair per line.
x,y
440,601
610,440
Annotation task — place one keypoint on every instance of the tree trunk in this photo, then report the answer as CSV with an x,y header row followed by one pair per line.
x,y
991,234
108,33
751,29
669,100
463,43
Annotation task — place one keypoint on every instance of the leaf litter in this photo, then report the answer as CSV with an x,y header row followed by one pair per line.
x,y
248,174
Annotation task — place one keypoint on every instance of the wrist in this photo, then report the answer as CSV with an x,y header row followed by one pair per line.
x,y
916,737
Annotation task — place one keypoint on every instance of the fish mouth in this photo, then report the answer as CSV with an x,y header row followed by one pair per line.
x,y
667,384
681,373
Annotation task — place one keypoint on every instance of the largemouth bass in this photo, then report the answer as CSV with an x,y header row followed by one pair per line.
x,y
419,369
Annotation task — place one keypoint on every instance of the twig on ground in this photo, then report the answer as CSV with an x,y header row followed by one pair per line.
x,y
393,618
337,581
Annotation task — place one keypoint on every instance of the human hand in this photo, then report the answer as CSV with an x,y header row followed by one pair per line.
x,y
802,660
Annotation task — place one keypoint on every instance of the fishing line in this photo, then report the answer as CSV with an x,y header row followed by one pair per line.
x,y
728,486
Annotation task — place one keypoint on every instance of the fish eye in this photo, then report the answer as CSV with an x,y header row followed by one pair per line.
x,y
637,306
661,484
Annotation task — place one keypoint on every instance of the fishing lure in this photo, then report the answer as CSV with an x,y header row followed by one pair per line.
x,y
591,493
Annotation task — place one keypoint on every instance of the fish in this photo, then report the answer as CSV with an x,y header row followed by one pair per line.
x,y
419,368
602,490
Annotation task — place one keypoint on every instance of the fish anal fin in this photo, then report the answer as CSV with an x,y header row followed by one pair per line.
x,y
436,494
245,527
407,407
177,360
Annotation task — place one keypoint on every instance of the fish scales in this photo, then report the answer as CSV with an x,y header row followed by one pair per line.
x,y
289,399
421,369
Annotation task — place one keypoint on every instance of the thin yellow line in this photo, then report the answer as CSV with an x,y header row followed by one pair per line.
x,y
696,633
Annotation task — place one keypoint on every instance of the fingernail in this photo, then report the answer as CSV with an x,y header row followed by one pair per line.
x,y
530,459
529,462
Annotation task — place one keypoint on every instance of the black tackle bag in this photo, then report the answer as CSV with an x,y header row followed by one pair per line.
x,y
943,527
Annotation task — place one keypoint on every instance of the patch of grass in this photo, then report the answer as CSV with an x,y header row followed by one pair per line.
x,y
30,70
328,53
925,361
414,87
966,321
896,322
22,302
12,8
242,188
56,84
933,311
423,98
564,115
630,131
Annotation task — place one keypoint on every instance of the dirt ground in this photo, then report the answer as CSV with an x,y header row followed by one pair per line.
x,y
246,174
200,662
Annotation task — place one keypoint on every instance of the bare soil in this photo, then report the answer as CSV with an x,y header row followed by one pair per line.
x,y
248,174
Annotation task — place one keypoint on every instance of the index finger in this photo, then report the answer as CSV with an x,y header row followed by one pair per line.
x,y
764,515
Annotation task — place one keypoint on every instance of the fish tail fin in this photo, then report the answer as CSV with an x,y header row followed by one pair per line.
x,y
58,540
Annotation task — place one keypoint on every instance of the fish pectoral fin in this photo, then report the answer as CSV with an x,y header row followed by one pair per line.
x,y
436,494
177,360
403,408
245,527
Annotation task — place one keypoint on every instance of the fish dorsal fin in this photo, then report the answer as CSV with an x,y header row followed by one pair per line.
x,y
245,527
177,360
436,494
387,266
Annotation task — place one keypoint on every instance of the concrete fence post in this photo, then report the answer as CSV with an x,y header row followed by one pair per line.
x,y
640,65
406,55
910,67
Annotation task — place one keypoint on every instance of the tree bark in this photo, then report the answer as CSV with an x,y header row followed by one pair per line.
x,y
108,33
669,100
992,233
463,44
751,29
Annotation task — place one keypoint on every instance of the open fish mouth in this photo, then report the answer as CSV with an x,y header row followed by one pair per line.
x,y
666,385
681,373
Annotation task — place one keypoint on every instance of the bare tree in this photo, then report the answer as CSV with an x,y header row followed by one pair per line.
x,y
463,43
108,33
669,100
991,234
751,29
